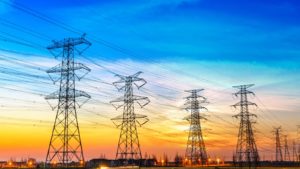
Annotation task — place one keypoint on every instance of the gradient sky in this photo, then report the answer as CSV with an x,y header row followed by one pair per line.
x,y
179,45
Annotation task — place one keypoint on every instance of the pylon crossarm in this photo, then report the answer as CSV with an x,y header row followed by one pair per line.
x,y
140,122
243,103
134,116
57,94
88,44
117,125
235,105
190,102
119,117
194,90
53,95
59,68
117,106
136,74
81,76
139,80
120,88
52,107
118,121
194,97
56,55
80,104
54,80
68,42
189,117
243,92
243,86
79,93
188,108
139,116
118,85
55,69
122,78
78,66
142,101
251,114
118,100
237,116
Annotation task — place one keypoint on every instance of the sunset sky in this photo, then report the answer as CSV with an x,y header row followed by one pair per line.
x,y
178,45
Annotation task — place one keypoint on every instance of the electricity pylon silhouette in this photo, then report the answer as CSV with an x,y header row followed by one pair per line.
x,y
246,150
195,149
128,148
65,147
286,150
294,151
278,144
298,143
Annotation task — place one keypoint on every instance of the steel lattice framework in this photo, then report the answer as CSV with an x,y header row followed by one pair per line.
x,y
294,151
279,156
286,150
65,147
298,144
128,146
246,150
195,150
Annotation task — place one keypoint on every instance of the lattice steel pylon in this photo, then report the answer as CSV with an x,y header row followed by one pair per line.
x,y
286,150
246,150
65,147
294,151
195,149
298,143
278,151
128,148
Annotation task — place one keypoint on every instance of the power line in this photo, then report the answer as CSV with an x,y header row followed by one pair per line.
x,y
23,29
77,31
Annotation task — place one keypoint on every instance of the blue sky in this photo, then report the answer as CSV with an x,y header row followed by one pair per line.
x,y
262,31
179,45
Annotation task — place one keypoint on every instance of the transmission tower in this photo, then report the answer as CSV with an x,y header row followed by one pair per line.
x,y
246,150
278,144
294,151
128,148
286,150
65,148
298,143
195,149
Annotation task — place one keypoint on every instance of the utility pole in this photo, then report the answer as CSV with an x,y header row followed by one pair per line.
x,y
246,150
286,150
278,144
128,146
195,150
65,145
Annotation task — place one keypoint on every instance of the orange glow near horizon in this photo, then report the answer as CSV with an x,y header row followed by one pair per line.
x,y
24,142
